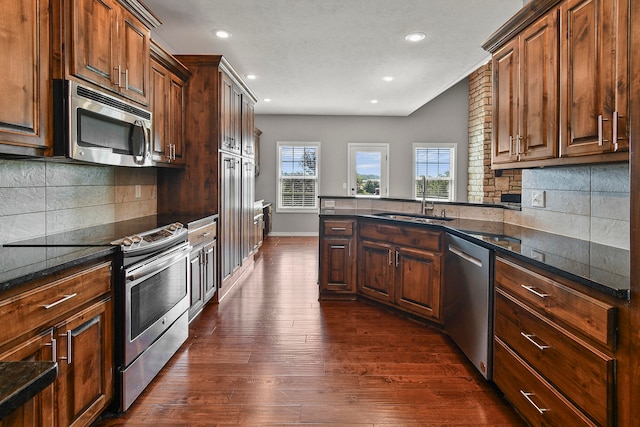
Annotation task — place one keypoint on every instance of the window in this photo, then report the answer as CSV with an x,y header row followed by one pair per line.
x,y
436,162
298,183
368,169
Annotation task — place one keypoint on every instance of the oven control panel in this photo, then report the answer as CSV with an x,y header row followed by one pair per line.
x,y
152,239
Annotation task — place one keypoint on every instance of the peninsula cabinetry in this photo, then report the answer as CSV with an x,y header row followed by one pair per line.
x,y
338,258
402,266
168,102
25,89
109,45
554,348
561,84
66,318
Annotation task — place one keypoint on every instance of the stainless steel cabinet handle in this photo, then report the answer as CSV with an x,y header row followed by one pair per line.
x,y
54,348
390,257
126,79
601,140
60,301
208,233
530,338
338,228
528,395
119,76
337,246
510,145
615,130
535,291
69,346
397,258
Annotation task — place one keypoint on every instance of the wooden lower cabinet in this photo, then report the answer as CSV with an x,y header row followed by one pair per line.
x,y
337,274
67,317
402,266
552,361
85,365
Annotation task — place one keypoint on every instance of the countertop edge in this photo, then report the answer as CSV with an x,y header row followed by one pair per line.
x,y
20,393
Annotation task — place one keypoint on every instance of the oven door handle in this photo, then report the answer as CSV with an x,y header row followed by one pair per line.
x,y
157,265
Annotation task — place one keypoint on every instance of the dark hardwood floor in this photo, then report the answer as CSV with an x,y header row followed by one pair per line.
x,y
271,354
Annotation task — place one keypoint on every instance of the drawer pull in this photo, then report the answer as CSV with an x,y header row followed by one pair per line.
x,y
60,301
339,228
535,291
530,338
337,246
208,233
528,396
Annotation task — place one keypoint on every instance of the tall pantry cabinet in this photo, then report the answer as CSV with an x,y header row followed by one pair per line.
x,y
218,176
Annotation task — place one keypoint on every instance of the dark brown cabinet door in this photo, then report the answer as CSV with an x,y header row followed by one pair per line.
x,y
537,136
25,94
338,270
134,58
231,213
505,103
375,270
248,198
248,131
110,47
159,83
176,109
39,411
197,293
417,281
587,77
226,113
85,365
209,254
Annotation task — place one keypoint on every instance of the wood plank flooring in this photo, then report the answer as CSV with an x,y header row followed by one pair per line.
x,y
270,354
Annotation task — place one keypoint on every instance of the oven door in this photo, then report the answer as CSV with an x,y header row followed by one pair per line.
x,y
156,294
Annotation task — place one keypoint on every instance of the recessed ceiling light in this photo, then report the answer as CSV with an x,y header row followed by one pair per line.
x,y
251,76
374,101
387,78
267,100
415,37
223,34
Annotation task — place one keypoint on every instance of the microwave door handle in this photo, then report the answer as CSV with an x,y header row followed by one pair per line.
x,y
139,142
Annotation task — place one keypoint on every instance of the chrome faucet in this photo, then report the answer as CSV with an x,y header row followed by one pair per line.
x,y
426,208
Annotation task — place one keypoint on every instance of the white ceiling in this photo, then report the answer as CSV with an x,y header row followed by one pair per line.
x,y
328,57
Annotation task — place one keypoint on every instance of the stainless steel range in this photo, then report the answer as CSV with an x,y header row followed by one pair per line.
x,y
152,300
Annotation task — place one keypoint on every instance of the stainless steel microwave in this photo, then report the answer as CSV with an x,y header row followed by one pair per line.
x,y
92,126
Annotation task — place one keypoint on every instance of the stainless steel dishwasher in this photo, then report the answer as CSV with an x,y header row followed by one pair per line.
x,y
468,301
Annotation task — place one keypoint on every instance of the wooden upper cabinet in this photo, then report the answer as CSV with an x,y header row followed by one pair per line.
x,y
526,94
505,103
248,131
168,80
25,91
538,90
109,46
594,77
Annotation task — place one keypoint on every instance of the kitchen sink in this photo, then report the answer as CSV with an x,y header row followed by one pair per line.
x,y
420,219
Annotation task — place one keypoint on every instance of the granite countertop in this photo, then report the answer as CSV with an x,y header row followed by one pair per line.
x,y
20,381
600,267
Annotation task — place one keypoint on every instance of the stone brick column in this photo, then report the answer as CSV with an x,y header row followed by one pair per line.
x,y
485,185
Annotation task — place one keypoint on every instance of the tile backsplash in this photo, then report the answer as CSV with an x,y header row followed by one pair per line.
x,y
45,197
584,202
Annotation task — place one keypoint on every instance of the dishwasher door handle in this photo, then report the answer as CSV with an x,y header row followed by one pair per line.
x,y
465,256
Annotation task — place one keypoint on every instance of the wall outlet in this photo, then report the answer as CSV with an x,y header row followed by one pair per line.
x,y
538,199
138,191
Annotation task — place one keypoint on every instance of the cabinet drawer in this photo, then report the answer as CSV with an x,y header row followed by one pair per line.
x,y
36,307
583,374
338,228
417,237
533,397
585,314
204,234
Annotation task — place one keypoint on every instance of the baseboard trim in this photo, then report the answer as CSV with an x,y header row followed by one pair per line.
x,y
293,234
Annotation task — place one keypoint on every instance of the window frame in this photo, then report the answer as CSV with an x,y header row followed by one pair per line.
x,y
453,166
293,209
383,148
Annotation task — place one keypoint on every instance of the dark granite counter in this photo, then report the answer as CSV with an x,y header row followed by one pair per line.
x,y
20,381
601,267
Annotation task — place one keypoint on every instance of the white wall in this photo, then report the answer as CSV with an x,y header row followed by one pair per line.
x,y
444,119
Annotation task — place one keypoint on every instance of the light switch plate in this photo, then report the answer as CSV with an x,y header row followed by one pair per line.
x,y
538,199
